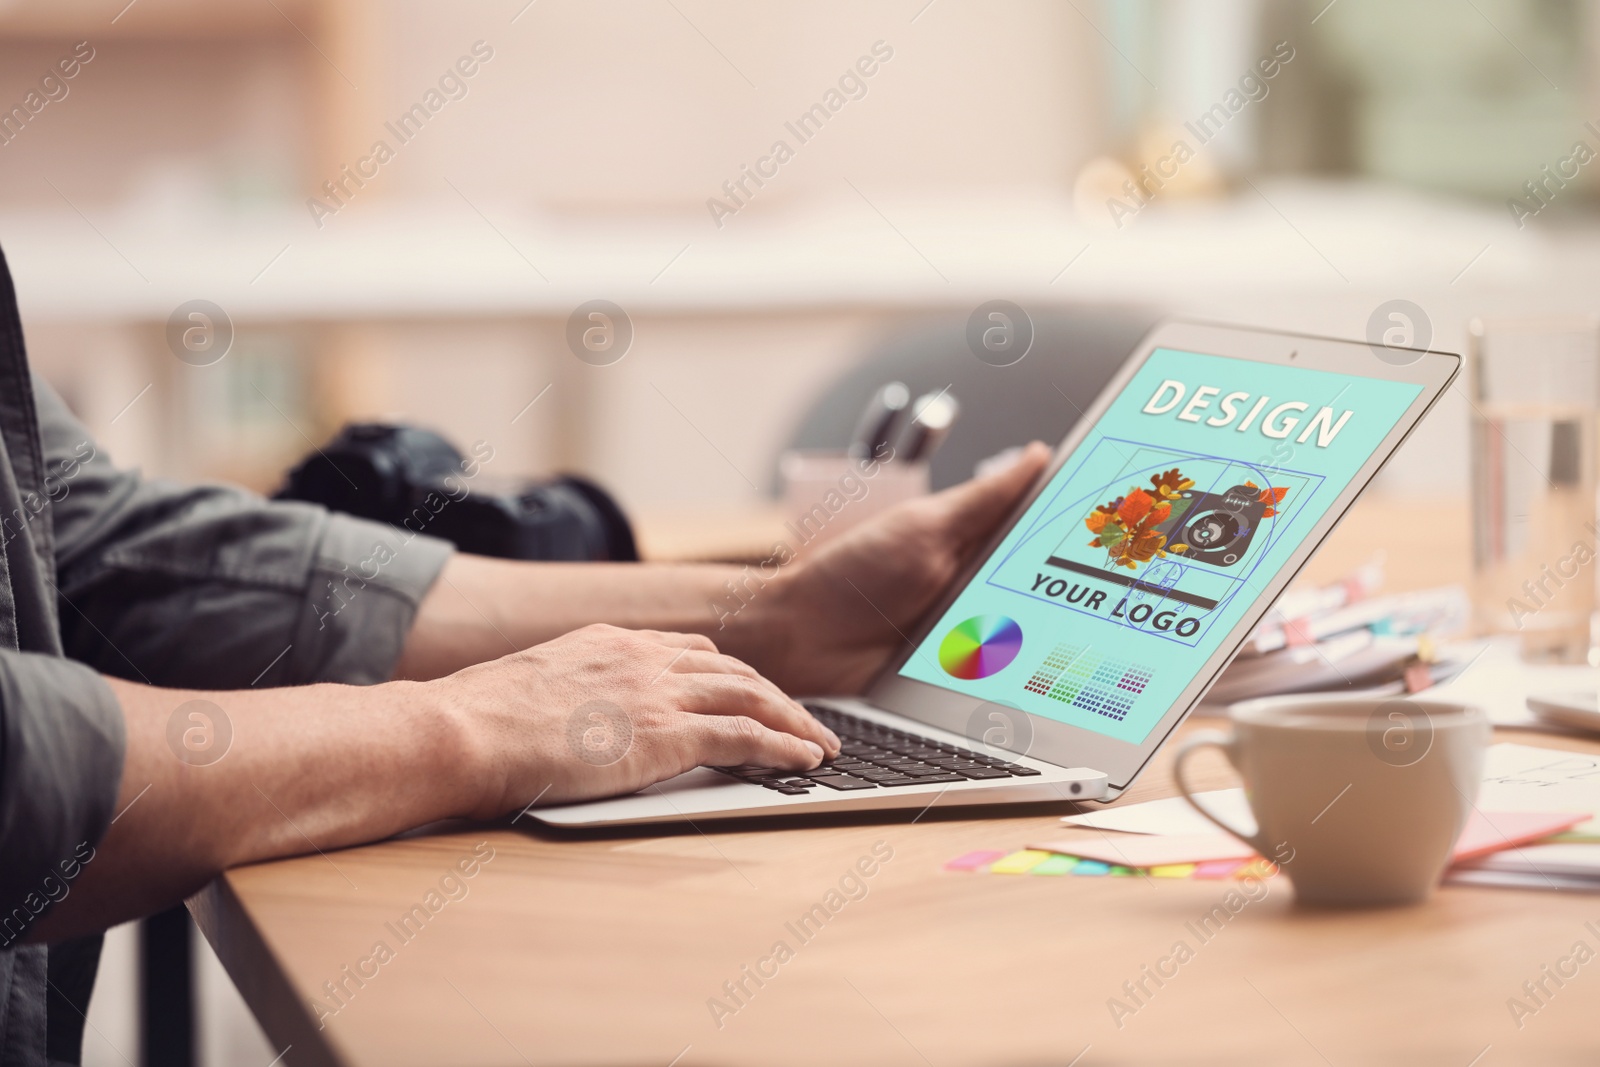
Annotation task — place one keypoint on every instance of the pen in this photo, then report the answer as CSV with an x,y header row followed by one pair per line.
x,y
877,421
934,415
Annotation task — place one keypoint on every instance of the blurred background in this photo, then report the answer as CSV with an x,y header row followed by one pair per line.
x,y
395,207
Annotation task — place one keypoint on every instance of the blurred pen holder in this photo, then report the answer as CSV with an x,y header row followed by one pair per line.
x,y
828,492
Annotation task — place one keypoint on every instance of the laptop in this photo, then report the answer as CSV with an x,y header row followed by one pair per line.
x,y
1060,661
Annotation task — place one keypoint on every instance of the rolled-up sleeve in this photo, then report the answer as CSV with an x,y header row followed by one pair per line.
x,y
214,587
61,747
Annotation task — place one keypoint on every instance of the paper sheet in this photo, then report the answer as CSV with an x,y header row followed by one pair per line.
x,y
1567,861
1146,850
1515,778
1500,683
1172,815
1529,778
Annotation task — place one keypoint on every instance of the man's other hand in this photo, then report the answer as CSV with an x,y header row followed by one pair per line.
x,y
854,601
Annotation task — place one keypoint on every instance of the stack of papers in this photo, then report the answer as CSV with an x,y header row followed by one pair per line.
x,y
1543,866
1526,778
1342,638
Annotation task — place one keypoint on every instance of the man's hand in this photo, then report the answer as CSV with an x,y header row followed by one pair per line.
x,y
853,603
603,711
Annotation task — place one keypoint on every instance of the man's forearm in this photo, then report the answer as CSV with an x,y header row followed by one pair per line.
x,y
213,780
249,776
482,608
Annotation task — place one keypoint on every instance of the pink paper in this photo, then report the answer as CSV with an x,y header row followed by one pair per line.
x,y
1216,869
1491,831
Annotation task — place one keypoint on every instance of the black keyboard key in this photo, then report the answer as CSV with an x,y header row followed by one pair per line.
x,y
1022,772
843,782
917,770
889,783
981,773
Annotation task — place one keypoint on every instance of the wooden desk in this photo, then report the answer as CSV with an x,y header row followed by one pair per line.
x,y
606,950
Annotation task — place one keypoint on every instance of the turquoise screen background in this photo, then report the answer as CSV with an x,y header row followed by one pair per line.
x,y
1110,647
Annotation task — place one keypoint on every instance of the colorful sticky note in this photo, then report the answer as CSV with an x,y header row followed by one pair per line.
x,y
1122,872
1218,868
1256,869
1091,867
1019,862
974,861
1173,870
1055,865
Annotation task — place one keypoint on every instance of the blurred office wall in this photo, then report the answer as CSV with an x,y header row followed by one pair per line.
x,y
577,157
573,151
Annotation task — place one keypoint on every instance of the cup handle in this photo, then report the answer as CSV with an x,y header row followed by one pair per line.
x,y
1211,739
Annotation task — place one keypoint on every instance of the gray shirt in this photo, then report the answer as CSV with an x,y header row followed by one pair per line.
x,y
104,572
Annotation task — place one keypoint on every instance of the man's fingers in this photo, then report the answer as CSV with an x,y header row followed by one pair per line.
x,y
714,663
975,508
729,741
756,698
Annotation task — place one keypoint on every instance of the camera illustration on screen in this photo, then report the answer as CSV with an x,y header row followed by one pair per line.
x,y
1215,528
1173,518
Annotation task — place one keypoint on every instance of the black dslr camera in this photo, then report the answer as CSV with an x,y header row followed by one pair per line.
x,y
1217,528
416,480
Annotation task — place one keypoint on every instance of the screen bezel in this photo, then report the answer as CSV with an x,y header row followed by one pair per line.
x,y
1068,745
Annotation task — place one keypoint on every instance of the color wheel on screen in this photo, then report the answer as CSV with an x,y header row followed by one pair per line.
x,y
981,646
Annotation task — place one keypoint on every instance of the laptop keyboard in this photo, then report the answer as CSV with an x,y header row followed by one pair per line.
x,y
879,757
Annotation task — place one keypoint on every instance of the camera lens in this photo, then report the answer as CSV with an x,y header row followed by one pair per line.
x,y
1213,529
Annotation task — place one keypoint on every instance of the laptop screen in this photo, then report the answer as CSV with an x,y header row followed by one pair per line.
x,y
1155,537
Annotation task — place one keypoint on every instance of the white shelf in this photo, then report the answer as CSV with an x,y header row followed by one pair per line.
x,y
443,260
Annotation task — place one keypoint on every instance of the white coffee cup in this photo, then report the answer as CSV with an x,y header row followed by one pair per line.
x,y
1358,800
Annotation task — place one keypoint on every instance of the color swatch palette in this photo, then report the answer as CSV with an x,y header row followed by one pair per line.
x,y
1088,679
1039,862
980,646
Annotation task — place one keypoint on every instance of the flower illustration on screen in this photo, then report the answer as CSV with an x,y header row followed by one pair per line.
x,y
1170,517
